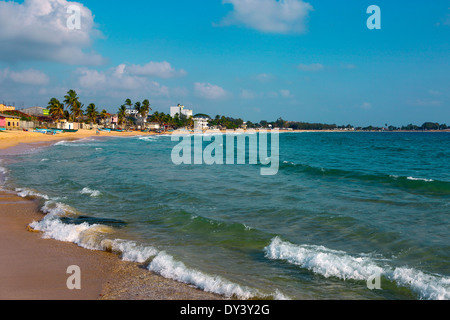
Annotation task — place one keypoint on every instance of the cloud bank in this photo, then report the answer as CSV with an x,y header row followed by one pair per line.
x,y
38,30
271,16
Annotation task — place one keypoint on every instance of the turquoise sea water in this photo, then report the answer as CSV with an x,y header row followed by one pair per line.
x,y
344,208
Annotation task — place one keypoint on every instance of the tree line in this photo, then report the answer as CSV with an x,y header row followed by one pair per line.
x,y
71,109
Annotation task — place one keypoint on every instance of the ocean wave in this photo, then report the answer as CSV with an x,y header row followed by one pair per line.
x,y
321,260
28,193
404,182
76,143
168,267
129,250
419,179
147,138
98,237
339,264
90,192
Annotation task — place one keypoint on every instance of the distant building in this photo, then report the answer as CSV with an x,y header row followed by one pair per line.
x,y
6,108
9,122
131,112
36,111
154,126
201,124
180,110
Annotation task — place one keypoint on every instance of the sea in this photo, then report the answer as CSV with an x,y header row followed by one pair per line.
x,y
347,216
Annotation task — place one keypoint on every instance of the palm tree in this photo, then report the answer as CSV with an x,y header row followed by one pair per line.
x,y
128,103
77,110
122,114
145,109
91,112
137,107
72,102
56,109
103,115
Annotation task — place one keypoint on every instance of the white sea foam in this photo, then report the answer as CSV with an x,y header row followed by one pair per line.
x,y
25,192
147,138
321,260
419,179
168,267
90,192
332,263
427,287
75,143
130,250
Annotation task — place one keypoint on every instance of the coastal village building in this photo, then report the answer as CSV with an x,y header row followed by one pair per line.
x,y
6,108
9,122
180,110
201,124
36,111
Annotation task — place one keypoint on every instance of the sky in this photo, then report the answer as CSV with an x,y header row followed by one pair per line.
x,y
301,60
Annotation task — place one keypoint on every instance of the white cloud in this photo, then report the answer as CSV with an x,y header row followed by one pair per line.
x,y
209,91
117,81
30,76
426,103
366,106
272,16
158,69
285,93
37,30
311,67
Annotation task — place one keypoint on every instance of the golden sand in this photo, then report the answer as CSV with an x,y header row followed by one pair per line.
x,y
13,138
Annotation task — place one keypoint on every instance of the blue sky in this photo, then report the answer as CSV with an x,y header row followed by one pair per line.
x,y
312,61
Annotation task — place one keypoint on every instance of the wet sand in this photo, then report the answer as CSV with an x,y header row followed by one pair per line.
x,y
33,268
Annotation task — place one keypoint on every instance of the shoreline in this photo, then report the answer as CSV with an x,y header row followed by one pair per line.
x,y
33,268
10,139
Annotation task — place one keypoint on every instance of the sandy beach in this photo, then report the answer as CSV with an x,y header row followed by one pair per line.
x,y
13,138
33,268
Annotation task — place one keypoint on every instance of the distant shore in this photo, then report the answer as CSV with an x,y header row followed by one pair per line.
x,y
13,138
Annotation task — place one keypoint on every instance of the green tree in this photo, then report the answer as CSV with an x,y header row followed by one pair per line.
x,y
145,108
103,115
91,112
122,114
72,102
56,109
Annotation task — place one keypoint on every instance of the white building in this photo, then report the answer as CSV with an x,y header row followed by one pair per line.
x,y
180,110
201,124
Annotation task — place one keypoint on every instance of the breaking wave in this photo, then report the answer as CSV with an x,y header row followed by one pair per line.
x,y
339,264
90,192
168,267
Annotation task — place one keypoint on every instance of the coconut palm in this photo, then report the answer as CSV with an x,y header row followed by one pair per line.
x,y
91,112
71,99
103,115
137,107
128,103
145,109
56,109
77,110
122,114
